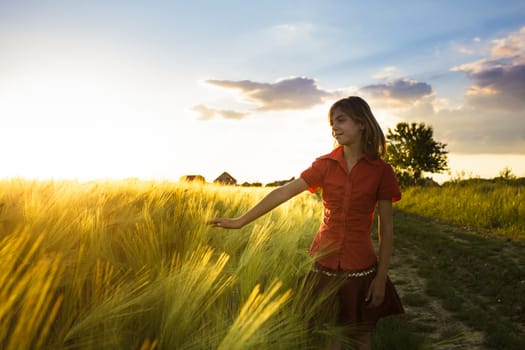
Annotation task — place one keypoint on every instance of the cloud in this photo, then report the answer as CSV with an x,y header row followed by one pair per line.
x,y
469,48
491,118
207,113
387,73
397,93
499,87
286,94
498,82
471,130
511,46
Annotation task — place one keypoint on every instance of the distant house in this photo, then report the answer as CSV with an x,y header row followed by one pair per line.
x,y
191,178
225,179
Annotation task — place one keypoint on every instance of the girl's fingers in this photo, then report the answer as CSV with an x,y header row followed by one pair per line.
x,y
218,222
369,294
214,222
224,223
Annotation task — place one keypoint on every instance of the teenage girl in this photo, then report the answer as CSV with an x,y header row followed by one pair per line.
x,y
355,181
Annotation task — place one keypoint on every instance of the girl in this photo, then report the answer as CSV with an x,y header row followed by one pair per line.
x,y
355,181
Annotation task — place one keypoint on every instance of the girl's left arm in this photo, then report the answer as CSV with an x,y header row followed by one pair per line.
x,y
376,292
385,236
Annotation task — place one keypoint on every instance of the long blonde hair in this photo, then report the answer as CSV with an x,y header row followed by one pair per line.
x,y
373,141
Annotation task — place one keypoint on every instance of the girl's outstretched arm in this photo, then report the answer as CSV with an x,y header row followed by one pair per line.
x,y
269,202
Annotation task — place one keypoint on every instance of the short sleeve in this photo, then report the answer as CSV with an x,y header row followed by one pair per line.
x,y
388,188
314,175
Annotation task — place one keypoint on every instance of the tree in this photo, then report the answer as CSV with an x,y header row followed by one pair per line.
x,y
412,151
506,174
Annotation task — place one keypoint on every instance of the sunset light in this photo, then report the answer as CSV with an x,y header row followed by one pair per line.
x,y
160,95
270,175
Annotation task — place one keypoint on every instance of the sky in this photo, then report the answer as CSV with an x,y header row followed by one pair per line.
x,y
154,89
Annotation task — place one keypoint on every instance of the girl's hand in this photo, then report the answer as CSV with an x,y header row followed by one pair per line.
x,y
376,292
270,201
225,223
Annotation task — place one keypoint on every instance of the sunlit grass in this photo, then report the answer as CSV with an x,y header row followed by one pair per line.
x,y
132,265
497,207
257,309
29,304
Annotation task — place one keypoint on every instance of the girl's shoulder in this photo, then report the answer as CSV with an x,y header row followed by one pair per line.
x,y
384,163
377,161
336,154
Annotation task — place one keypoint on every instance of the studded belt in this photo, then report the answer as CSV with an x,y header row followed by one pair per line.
x,y
342,273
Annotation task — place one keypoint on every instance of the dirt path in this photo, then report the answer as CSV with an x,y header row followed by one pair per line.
x,y
426,312
460,288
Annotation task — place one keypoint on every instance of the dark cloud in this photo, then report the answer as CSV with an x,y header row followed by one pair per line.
x,y
291,93
207,113
398,92
475,131
497,84
471,128
492,119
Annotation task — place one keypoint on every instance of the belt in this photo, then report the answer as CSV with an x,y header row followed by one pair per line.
x,y
343,273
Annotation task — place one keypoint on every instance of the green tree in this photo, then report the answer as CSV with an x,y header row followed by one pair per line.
x,y
412,151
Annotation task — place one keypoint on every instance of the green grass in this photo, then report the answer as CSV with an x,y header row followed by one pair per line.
x,y
480,279
480,205
415,299
398,333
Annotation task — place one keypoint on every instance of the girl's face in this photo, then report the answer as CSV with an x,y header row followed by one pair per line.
x,y
345,130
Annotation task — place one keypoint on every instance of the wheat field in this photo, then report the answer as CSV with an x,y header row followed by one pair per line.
x,y
133,265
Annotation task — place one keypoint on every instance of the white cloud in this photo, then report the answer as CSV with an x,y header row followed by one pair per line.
x,y
206,113
511,46
387,73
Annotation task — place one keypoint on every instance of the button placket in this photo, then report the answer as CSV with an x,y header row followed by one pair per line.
x,y
345,208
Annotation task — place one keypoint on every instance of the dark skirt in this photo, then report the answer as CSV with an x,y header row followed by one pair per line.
x,y
344,293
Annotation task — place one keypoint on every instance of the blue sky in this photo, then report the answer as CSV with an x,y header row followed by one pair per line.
x,y
159,89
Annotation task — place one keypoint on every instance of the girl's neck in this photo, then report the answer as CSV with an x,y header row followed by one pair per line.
x,y
352,153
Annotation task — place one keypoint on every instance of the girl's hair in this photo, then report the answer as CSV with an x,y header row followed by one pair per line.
x,y
373,140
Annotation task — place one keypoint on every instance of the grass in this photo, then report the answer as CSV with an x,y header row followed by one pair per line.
x,y
497,207
415,299
124,265
480,279
132,265
398,333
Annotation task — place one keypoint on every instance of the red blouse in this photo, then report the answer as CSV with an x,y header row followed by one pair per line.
x,y
349,199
